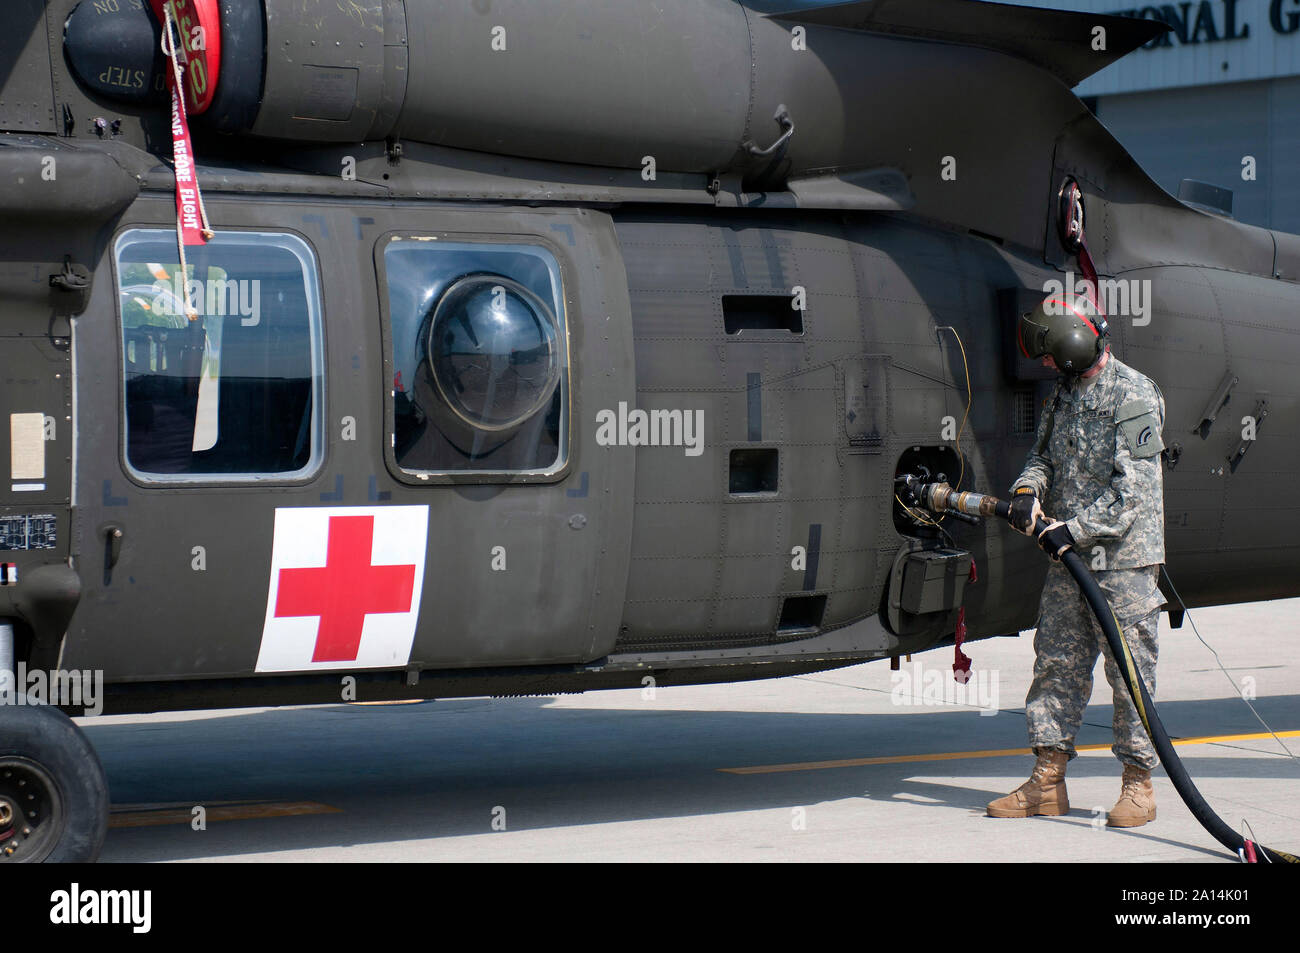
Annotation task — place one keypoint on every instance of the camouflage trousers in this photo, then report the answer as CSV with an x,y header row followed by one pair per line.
x,y
1066,647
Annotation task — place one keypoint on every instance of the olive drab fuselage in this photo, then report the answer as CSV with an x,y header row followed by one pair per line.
x,y
319,484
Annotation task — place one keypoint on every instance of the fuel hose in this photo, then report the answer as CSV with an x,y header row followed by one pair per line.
x,y
939,497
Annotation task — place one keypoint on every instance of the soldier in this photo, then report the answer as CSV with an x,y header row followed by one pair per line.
x,y
1095,468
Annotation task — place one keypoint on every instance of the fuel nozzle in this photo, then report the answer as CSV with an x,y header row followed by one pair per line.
x,y
939,497
933,496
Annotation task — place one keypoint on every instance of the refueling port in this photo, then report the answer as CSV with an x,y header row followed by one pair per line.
x,y
930,571
938,464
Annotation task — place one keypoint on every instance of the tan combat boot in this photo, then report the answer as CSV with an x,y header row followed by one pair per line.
x,y
1137,800
1044,792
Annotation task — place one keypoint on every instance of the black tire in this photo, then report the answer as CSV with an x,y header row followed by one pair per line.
x,y
62,779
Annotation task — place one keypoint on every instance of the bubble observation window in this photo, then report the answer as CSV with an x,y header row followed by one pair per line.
x,y
479,356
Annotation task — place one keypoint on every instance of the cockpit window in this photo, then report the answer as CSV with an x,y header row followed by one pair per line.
x,y
222,364
479,357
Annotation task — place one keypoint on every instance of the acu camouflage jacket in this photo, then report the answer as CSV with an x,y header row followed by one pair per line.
x,y
1096,465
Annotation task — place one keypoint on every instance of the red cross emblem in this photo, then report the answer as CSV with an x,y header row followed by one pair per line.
x,y
345,590
363,601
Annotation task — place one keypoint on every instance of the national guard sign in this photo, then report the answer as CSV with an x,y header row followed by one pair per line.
x,y
345,587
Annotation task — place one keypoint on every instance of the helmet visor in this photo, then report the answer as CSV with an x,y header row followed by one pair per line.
x,y
1032,334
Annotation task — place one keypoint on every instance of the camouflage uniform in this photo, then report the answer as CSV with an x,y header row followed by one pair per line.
x,y
1096,465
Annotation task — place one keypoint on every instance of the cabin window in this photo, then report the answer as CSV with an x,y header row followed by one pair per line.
x,y
479,358
222,365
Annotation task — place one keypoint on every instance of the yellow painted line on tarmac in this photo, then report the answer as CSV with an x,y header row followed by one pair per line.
x,y
994,753
217,812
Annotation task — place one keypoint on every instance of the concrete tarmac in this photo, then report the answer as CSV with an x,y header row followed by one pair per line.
x,y
854,764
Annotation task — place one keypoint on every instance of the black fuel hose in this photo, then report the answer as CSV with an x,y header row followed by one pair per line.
x,y
1146,708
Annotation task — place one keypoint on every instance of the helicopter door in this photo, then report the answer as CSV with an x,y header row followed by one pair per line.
x,y
504,334
200,415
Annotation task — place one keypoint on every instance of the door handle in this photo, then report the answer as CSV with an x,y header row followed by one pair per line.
x,y
112,533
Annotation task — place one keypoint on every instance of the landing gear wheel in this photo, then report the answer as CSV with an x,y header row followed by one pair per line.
x,y
53,795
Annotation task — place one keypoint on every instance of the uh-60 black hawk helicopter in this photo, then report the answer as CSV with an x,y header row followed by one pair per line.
x,y
412,348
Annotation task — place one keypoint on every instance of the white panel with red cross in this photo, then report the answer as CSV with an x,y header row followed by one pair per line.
x,y
345,587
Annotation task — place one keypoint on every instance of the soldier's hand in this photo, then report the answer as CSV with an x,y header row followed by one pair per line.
x,y
1025,509
1056,539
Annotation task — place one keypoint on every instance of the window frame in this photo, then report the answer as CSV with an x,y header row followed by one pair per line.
x,y
296,244
563,269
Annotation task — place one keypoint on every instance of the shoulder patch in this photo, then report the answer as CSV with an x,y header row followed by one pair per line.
x,y
1140,424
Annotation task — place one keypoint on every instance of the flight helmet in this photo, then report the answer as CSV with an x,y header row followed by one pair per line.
x,y
1066,327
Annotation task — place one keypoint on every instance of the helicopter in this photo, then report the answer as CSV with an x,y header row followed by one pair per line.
x,y
407,349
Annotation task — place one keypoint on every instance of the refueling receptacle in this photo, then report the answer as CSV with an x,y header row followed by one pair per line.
x,y
928,579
